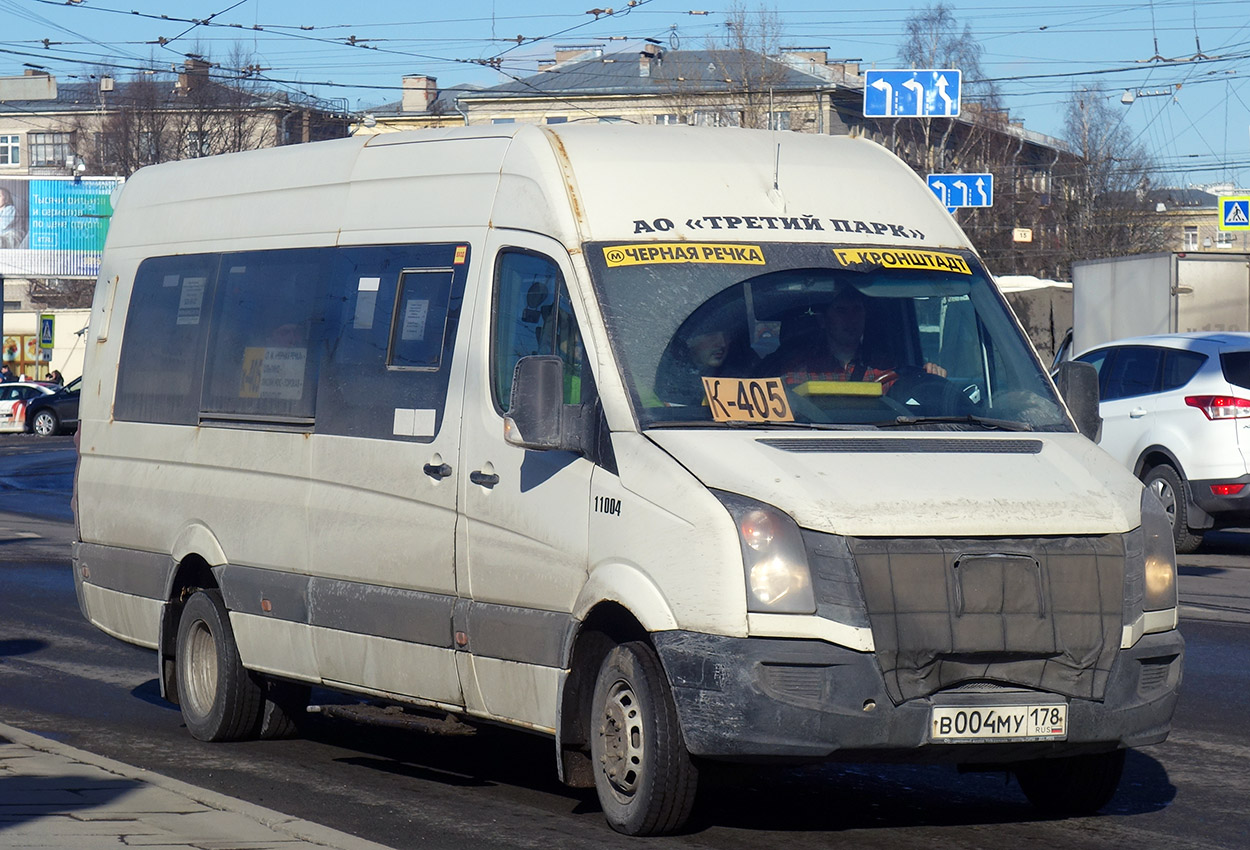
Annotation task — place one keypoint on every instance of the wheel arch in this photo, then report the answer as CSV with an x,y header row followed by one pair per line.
x,y
1152,456
606,625
195,553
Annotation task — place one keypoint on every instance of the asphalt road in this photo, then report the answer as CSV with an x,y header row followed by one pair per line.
x,y
446,785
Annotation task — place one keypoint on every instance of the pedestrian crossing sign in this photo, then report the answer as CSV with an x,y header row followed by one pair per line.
x,y
46,336
1235,213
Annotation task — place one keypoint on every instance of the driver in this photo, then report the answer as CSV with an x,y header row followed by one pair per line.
x,y
836,353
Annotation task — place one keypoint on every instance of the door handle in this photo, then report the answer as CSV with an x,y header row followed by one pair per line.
x,y
477,476
1137,413
437,471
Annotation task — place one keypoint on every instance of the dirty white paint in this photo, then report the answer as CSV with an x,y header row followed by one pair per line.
x,y
274,646
122,615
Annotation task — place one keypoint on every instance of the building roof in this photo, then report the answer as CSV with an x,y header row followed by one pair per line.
x,y
158,92
665,73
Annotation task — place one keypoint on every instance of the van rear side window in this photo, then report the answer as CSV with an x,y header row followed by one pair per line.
x,y
162,359
334,340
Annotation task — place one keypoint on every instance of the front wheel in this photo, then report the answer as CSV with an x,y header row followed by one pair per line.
x,y
1073,786
45,423
644,775
220,700
1173,491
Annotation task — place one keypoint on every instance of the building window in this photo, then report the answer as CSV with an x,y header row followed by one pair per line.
x,y
10,150
1224,239
557,119
198,144
1191,237
707,118
610,119
779,120
503,120
49,149
669,118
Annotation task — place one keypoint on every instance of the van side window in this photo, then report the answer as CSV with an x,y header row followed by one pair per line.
x,y
162,358
390,340
533,316
418,322
268,323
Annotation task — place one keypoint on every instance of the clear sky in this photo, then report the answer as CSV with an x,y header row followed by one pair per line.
x,y
1186,61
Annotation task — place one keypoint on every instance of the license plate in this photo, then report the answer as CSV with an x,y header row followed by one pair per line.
x,y
999,723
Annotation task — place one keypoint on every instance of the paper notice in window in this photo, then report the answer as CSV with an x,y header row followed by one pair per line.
x,y
415,313
192,300
273,373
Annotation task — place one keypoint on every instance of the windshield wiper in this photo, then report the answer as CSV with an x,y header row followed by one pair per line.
x,y
967,419
807,426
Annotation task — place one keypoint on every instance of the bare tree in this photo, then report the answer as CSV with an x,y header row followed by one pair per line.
x,y
734,81
1106,194
933,39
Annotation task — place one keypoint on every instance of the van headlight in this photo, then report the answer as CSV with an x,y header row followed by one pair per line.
x,y
1160,555
778,580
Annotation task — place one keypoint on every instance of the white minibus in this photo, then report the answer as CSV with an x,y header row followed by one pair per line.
x,y
682,446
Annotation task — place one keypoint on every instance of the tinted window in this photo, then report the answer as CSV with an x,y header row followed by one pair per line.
x,y
1133,372
269,319
394,315
1099,360
358,340
162,357
533,316
1179,367
1236,365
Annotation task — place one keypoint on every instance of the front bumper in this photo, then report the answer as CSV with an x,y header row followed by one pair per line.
x,y
794,699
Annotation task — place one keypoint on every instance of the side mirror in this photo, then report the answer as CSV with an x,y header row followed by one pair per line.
x,y
1078,384
537,416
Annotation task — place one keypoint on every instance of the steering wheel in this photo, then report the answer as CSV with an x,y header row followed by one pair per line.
x,y
927,394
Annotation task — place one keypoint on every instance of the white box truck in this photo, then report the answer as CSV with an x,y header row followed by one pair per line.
x,y
678,445
1169,292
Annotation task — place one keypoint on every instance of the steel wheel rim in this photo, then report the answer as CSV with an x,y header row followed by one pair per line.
x,y
623,739
1167,496
200,675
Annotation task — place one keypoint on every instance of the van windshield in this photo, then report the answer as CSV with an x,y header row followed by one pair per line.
x,y
814,335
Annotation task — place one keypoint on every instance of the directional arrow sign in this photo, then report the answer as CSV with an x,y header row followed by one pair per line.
x,y
927,93
963,190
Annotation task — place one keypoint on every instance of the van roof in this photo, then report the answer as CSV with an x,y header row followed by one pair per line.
x,y
578,183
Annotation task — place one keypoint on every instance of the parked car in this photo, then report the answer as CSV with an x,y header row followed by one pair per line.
x,y
1171,406
14,397
54,413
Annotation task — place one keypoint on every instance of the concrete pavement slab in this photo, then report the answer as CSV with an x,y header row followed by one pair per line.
x,y
54,795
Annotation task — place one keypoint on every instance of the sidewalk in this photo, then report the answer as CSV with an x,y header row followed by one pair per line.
x,y
56,796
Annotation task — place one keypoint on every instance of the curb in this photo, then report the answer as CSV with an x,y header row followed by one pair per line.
x,y
296,828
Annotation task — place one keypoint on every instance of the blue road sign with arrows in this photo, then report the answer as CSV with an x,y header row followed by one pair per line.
x,y
925,93
963,190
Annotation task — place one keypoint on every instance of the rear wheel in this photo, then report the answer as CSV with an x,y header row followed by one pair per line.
x,y
644,776
1173,491
284,703
45,423
220,700
1073,786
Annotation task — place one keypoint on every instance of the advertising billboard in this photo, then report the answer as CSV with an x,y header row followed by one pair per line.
x,y
54,226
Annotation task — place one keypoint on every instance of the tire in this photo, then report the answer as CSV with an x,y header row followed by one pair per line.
x,y
220,700
284,703
45,423
1073,786
644,776
1173,491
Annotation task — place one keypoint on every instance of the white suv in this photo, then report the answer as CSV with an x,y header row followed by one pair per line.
x,y
1176,411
